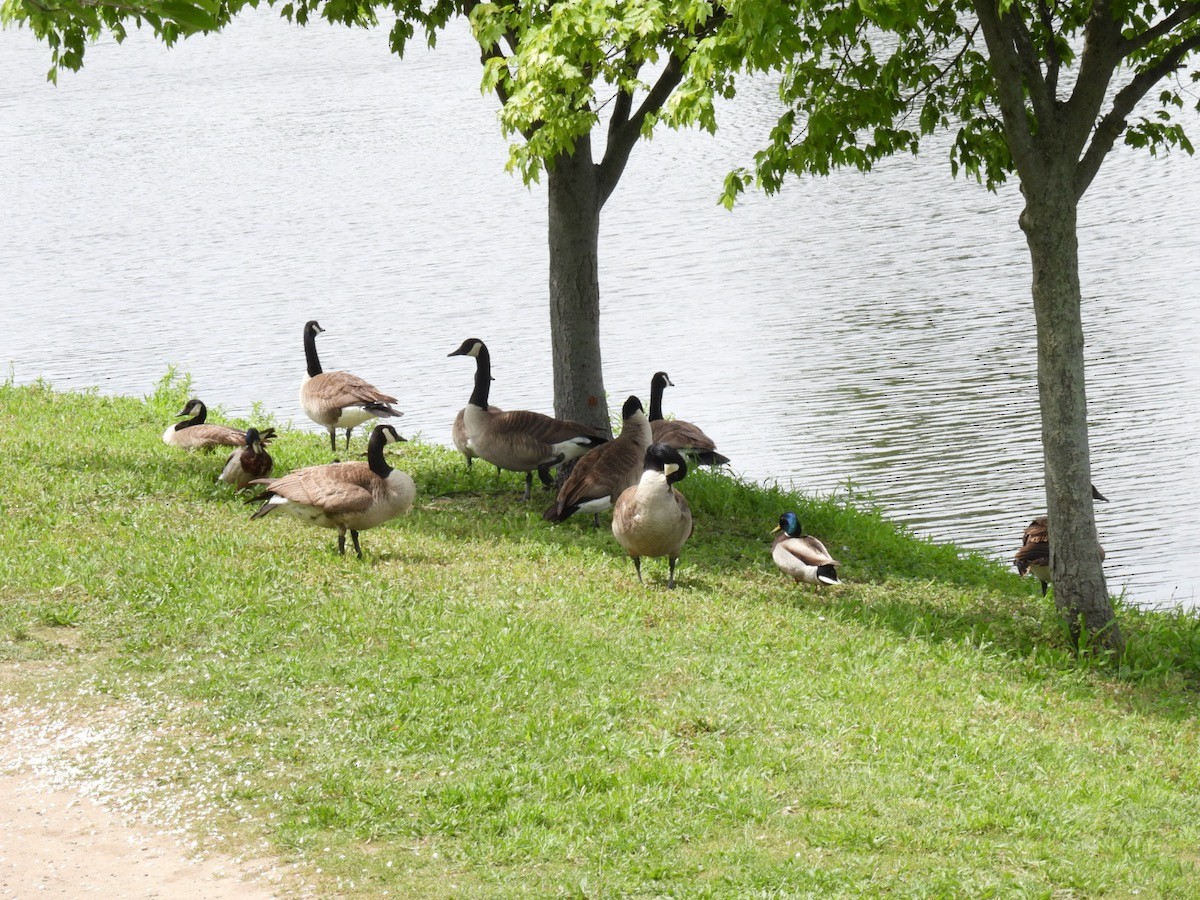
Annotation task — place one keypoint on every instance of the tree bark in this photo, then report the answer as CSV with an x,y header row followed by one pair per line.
x,y
1049,221
574,229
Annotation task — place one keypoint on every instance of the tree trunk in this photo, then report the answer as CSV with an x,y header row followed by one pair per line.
x,y
1080,592
575,201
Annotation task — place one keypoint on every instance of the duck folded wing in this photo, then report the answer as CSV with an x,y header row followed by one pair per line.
x,y
808,550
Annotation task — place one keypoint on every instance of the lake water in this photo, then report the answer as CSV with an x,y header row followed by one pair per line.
x,y
194,206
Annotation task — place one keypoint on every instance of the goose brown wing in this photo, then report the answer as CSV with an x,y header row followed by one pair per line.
x,y
681,435
1032,554
212,436
1037,532
539,427
338,488
341,389
608,469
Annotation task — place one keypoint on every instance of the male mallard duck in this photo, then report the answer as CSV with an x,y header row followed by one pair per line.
x,y
601,475
685,437
651,518
517,440
802,556
348,496
195,433
338,399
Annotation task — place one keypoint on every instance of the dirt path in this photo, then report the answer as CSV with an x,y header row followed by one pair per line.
x,y
64,833
56,843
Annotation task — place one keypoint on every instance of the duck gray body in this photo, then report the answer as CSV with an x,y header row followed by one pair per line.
x,y
801,556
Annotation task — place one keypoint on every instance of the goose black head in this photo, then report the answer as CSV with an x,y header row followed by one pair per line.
x,y
469,347
311,327
661,380
192,408
664,458
788,524
388,434
632,405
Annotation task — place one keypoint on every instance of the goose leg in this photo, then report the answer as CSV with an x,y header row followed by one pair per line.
x,y
348,430
637,564
596,521
342,540
528,486
333,439
354,538
1044,586
671,576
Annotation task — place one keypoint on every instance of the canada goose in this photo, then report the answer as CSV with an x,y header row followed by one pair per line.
x,y
338,399
348,496
601,475
195,434
683,436
1034,556
458,434
802,556
652,518
517,440
247,463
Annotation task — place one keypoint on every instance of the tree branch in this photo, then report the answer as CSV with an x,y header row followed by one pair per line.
x,y
1031,69
1178,16
1100,57
1109,128
1006,69
623,137
968,41
1053,60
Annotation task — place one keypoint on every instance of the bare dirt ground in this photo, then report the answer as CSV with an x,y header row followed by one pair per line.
x,y
70,826
56,843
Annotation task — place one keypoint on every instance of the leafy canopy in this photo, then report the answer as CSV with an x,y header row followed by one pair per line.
x,y
864,79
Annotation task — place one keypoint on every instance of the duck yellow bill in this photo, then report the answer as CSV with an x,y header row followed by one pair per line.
x,y
776,528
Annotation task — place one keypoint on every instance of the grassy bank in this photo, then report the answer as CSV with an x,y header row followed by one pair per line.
x,y
490,706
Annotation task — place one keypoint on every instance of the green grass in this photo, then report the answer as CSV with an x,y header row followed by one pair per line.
x,y
490,706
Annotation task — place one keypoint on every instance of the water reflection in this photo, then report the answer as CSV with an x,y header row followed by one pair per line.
x,y
196,206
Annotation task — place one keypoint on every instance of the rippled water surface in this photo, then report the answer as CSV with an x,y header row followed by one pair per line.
x,y
193,207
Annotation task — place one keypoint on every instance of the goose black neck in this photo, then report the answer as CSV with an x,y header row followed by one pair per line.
x,y
197,419
656,392
483,378
375,458
310,353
